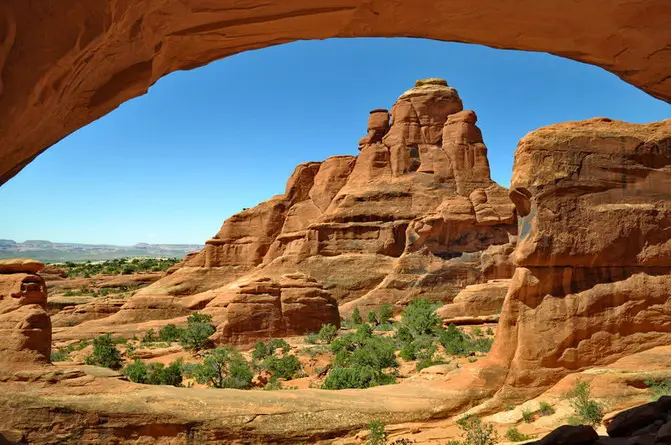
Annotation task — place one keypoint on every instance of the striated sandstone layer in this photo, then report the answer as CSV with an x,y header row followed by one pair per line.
x,y
25,327
415,214
91,56
295,304
594,256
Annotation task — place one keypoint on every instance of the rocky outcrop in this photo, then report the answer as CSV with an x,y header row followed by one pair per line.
x,y
25,327
88,59
476,300
295,304
415,214
594,256
94,310
645,424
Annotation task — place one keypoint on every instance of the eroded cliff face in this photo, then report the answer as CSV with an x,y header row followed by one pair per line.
x,y
594,255
25,327
414,214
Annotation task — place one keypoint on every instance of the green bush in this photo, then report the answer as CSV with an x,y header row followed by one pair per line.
x,y
420,318
489,331
59,355
136,371
385,313
476,432
159,374
223,367
546,409
149,337
105,353
514,435
282,368
169,333
356,317
658,387
477,332
385,327
197,332
360,359
372,318
311,338
585,409
527,415
327,333
356,377
263,350
453,340
377,435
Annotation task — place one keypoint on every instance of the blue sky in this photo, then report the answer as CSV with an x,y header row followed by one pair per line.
x,y
170,166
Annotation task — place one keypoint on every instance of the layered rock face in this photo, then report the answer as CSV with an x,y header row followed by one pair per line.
x,y
295,304
414,214
25,327
594,257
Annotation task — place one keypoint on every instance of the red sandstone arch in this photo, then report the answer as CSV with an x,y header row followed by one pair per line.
x,y
64,64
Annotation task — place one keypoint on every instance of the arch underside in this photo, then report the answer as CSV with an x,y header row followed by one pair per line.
x,y
63,67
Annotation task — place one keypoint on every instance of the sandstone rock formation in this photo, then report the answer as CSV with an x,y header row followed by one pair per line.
x,y
25,328
295,304
476,300
415,214
88,59
594,257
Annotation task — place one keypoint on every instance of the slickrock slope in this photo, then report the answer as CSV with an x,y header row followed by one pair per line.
x,y
414,214
294,305
89,57
25,328
594,257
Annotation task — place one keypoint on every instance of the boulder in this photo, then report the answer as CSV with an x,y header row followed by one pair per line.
x,y
25,326
570,435
20,265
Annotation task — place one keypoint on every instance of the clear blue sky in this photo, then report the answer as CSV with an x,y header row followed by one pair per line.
x,y
170,166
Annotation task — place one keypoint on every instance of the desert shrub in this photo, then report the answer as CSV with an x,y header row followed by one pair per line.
x,y
385,327
169,333
59,355
356,377
356,317
282,368
311,338
477,332
197,332
527,415
105,353
372,318
403,334
136,371
420,318
149,337
489,331
385,313
377,435
514,435
480,344
476,432
360,359
223,367
453,340
658,387
263,350
546,409
585,409
327,333
159,374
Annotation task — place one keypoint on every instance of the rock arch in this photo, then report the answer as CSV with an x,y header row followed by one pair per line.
x,y
63,67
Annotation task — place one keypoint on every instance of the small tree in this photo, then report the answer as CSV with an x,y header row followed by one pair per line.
x,y
169,333
372,318
356,317
105,353
386,312
377,434
282,368
420,318
587,410
327,333
476,432
197,332
224,367
136,371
